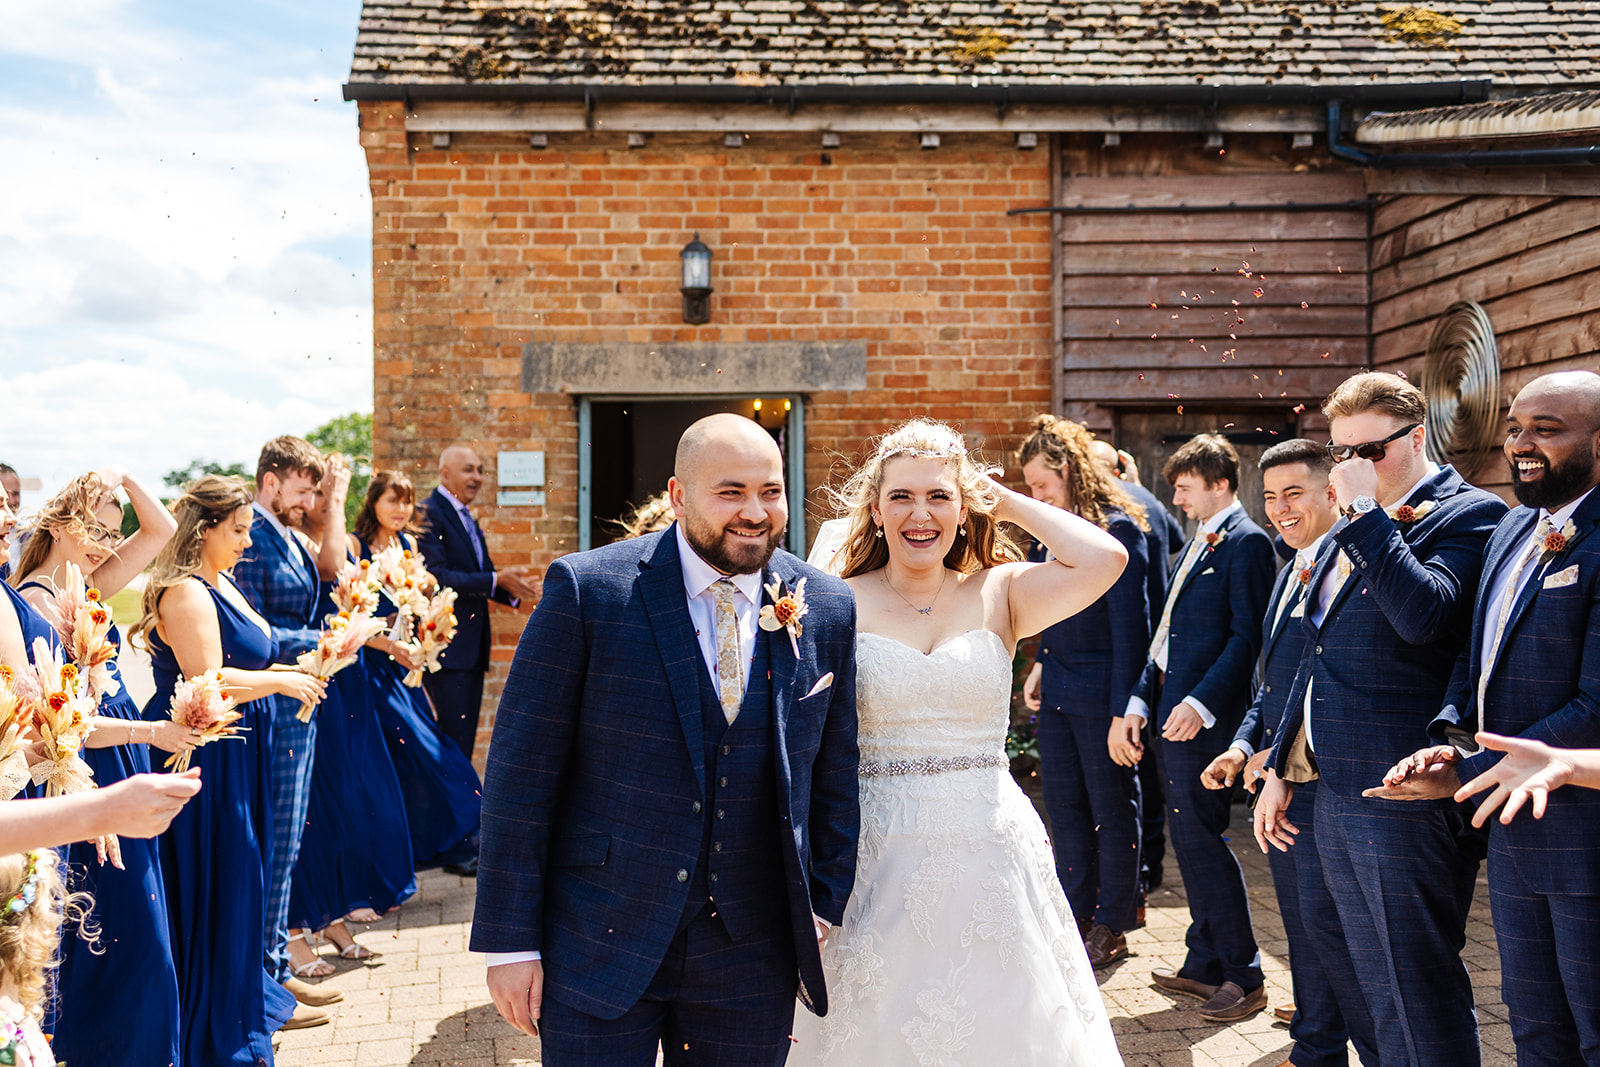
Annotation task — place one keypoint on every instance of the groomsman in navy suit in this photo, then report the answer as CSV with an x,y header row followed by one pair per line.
x,y
1197,680
1532,669
280,579
456,553
1388,610
1329,1008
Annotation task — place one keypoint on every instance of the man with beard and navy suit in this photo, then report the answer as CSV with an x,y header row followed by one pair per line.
x,y
1388,609
454,549
1329,1008
1532,669
1197,683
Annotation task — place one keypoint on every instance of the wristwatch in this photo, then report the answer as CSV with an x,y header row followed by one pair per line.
x,y
1360,506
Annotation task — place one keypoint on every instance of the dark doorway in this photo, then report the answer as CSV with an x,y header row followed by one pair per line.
x,y
632,444
1153,436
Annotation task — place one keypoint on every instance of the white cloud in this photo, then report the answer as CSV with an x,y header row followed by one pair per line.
x,y
185,252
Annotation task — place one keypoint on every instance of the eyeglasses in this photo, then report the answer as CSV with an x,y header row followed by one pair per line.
x,y
1373,450
101,535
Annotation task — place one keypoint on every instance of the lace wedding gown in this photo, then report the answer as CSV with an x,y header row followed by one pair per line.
x,y
958,946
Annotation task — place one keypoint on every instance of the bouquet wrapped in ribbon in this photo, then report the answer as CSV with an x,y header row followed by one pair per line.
x,y
16,715
357,588
84,625
337,648
64,712
436,628
203,705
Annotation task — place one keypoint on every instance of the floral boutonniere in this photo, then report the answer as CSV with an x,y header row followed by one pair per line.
x,y
1305,576
1215,538
1556,541
1406,514
788,607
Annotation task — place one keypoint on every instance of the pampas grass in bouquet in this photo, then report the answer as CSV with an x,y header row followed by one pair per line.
x,y
203,705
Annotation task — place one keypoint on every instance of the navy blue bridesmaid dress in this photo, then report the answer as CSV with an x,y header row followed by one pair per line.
x,y
212,861
442,791
130,973
356,852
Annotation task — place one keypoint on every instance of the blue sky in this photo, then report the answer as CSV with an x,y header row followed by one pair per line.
x,y
185,236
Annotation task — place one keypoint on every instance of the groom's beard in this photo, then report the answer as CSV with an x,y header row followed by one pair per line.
x,y
742,557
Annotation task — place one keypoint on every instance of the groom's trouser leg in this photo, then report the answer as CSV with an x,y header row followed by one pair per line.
x,y
293,749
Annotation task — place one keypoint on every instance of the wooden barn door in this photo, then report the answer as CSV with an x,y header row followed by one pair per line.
x,y
1152,436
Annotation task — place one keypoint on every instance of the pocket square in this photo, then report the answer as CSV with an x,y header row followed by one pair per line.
x,y
1562,579
1209,570
1299,611
822,683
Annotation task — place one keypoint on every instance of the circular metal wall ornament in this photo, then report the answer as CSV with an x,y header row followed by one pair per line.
x,y
1461,379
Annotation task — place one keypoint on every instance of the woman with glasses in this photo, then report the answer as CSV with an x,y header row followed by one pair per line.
x,y
129,974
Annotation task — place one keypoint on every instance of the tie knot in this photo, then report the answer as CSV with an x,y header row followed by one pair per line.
x,y
723,589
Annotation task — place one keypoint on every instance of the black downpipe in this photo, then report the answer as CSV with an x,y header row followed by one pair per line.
x,y
1516,157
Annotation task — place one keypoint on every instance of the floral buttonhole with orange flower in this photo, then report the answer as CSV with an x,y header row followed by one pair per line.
x,y
1215,538
1556,541
788,607
1406,514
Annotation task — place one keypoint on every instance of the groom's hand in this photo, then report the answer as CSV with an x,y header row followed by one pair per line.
x,y
518,991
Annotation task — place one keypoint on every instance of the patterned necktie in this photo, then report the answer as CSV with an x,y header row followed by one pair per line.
x,y
1294,583
730,676
1191,556
1540,532
472,533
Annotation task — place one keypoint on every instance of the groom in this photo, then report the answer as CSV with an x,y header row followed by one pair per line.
x,y
670,811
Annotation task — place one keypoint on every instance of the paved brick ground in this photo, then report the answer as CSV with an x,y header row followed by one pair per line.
x,y
422,1002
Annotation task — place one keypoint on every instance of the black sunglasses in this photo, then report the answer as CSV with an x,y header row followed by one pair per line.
x,y
1373,450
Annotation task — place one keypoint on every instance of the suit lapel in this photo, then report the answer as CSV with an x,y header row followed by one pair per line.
x,y
439,505
780,654
1499,552
667,606
1583,521
1291,573
1207,553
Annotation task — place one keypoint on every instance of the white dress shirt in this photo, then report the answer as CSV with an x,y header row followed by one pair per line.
x,y
272,520
1305,557
1502,577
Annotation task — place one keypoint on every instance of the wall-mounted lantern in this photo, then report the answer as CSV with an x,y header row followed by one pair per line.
x,y
696,282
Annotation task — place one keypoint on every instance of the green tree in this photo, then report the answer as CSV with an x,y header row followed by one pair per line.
x,y
179,478
350,435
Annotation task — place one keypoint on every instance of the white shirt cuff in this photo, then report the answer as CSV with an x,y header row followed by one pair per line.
x,y
1206,717
1243,746
1138,708
500,959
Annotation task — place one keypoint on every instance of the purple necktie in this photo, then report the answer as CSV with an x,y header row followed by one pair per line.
x,y
472,533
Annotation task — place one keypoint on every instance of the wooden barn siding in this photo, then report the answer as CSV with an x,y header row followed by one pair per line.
x,y
1530,261
1303,334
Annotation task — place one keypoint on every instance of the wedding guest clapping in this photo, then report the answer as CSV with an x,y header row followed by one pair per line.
x,y
213,856
1532,669
1079,685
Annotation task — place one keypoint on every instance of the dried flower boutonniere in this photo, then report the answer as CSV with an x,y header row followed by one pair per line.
x,y
788,607
1305,575
1556,541
1406,514
1215,538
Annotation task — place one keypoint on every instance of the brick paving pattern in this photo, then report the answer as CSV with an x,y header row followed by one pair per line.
x,y
422,1002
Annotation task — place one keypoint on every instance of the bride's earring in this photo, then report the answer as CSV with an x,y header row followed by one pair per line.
x,y
961,531
879,532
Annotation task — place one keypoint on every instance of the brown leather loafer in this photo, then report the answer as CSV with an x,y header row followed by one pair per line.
x,y
1172,983
1285,1014
1231,1004
312,995
1105,946
305,1018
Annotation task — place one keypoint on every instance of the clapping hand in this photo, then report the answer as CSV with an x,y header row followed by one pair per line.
x,y
524,585
1427,774
1528,771
335,482
1220,772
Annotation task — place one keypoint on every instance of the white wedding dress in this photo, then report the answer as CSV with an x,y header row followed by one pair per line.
x,y
958,946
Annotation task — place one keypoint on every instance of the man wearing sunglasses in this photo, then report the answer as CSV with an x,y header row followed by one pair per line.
x,y
1388,609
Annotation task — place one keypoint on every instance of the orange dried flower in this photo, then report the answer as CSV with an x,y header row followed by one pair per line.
x,y
7,675
92,594
786,610
99,617
1212,539
57,701
69,672
1555,541
1305,576
1405,514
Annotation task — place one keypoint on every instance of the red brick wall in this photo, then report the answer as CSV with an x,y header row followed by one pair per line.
x,y
490,244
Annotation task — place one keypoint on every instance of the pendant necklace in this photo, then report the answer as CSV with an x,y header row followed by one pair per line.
x,y
920,611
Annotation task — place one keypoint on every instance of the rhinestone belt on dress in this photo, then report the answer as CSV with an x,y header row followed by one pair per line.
x,y
930,765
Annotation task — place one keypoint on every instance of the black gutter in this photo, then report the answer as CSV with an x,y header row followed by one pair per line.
x,y
1198,209
999,96
1511,157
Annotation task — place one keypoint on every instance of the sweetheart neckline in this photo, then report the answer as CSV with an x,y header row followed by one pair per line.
x,y
929,654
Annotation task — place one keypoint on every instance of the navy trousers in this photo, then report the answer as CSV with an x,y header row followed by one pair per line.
x,y
456,697
1330,1009
713,1003
1094,817
1222,947
1402,878
1549,970
1152,811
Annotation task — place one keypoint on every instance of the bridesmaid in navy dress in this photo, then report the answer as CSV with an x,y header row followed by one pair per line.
x,y
442,791
355,857
211,856
129,972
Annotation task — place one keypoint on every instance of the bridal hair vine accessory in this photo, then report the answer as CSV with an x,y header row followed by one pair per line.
x,y
26,893
786,610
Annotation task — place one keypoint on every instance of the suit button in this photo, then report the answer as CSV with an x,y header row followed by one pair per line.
x,y
727,750
713,879
1266,688
722,782
683,875
696,807
716,846
1319,650
721,813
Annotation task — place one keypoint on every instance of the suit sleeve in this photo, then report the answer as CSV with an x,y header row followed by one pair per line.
x,y
1130,617
464,582
533,736
835,790
251,576
499,596
1250,575
1423,600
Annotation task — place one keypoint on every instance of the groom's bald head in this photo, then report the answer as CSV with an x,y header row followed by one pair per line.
x,y
727,492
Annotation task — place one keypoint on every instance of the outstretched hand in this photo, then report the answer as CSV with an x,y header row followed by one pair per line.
x,y
1528,772
1427,774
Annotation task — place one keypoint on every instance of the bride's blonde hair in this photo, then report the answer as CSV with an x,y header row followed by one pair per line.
x,y
985,544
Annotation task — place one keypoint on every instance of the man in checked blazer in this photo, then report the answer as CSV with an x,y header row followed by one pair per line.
x,y
1388,609
664,851
1197,681
1329,1009
1532,669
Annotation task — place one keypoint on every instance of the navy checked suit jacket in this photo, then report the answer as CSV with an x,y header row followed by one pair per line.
x,y
1091,661
1281,646
1545,685
1164,539
596,775
1383,657
280,581
1215,633
447,551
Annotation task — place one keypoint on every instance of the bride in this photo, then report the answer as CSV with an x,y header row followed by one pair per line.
x,y
957,946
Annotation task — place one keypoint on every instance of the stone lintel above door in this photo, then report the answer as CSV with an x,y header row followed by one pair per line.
x,y
768,367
